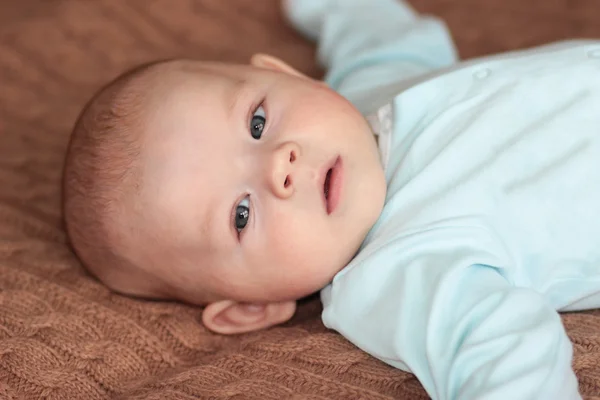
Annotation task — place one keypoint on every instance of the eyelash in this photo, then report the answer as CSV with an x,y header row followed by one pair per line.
x,y
254,107
240,233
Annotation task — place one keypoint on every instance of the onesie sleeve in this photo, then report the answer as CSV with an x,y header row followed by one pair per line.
x,y
439,303
367,44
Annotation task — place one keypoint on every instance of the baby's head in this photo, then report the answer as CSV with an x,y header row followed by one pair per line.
x,y
239,187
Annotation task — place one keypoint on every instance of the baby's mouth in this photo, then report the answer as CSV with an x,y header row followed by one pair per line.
x,y
327,182
332,185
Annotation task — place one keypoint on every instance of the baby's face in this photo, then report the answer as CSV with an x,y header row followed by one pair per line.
x,y
259,185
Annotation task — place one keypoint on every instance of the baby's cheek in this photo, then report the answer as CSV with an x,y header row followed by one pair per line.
x,y
292,237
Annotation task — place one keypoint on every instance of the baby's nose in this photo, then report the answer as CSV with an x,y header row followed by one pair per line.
x,y
285,160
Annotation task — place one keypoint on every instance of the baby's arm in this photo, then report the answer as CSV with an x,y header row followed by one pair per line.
x,y
440,307
368,44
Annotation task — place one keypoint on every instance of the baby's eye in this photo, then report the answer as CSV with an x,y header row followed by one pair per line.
x,y
257,124
242,214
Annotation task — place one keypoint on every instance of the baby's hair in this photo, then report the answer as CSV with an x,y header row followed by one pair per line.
x,y
102,170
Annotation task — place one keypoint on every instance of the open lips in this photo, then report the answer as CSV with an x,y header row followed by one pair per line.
x,y
327,182
332,185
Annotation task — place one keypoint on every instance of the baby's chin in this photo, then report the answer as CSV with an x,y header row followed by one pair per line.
x,y
299,288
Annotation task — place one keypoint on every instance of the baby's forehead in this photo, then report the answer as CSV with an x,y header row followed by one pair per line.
x,y
195,104
179,85
181,124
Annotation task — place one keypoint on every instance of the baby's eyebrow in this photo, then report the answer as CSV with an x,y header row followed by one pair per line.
x,y
235,94
208,231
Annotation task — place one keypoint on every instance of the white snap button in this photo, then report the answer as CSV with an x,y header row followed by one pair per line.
x,y
482,73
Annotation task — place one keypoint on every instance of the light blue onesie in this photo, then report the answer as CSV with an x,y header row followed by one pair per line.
x,y
492,218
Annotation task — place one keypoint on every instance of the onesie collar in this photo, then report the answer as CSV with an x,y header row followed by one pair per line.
x,y
382,125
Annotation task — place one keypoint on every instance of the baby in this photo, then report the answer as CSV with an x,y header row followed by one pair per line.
x,y
445,211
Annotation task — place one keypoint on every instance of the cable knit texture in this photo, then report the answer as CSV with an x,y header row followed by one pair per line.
x,y
65,336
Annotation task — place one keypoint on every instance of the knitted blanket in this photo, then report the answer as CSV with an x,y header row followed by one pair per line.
x,y
65,336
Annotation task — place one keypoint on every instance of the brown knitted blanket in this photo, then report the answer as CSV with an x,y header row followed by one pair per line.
x,y
63,335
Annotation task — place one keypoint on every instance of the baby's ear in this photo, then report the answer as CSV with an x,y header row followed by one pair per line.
x,y
273,63
229,317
